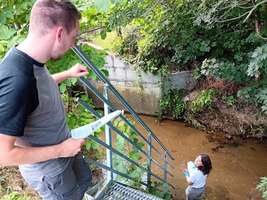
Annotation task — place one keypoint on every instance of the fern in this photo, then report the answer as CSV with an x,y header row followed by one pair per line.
x,y
262,187
258,61
262,99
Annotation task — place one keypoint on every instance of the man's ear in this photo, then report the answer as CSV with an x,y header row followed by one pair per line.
x,y
59,33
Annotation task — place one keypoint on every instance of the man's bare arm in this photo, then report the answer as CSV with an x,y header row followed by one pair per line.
x,y
12,155
61,76
76,71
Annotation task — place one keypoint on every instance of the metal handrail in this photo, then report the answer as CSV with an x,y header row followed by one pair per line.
x,y
84,58
99,164
126,158
90,161
108,145
91,87
97,115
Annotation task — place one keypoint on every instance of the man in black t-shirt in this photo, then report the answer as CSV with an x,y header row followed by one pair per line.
x,y
33,131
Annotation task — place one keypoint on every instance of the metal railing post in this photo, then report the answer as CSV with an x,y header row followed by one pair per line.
x,y
149,156
165,185
108,136
119,97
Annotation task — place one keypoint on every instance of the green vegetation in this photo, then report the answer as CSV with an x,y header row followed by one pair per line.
x,y
13,22
222,42
14,196
69,59
122,146
262,187
172,104
203,100
229,100
160,193
109,43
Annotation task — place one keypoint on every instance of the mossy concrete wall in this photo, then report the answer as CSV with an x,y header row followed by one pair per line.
x,y
143,91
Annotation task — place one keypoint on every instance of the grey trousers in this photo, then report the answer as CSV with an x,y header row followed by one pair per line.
x,y
194,193
71,184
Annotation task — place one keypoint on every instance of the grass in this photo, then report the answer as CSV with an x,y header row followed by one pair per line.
x,y
108,43
13,187
14,196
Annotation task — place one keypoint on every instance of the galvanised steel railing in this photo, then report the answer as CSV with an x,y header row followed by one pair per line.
x,y
148,138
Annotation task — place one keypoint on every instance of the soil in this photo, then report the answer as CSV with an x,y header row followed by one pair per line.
x,y
231,121
240,119
11,181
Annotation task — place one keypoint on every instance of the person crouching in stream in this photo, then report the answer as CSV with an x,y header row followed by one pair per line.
x,y
196,174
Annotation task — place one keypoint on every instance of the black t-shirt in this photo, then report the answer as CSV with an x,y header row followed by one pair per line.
x,y
18,92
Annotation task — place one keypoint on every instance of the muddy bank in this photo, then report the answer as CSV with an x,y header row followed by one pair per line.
x,y
221,110
230,121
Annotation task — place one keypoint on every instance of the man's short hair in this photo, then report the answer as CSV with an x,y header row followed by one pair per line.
x,y
46,14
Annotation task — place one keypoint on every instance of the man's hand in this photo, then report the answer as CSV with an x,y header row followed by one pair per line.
x,y
183,166
70,147
77,70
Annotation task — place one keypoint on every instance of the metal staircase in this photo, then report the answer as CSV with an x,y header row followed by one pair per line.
x,y
119,191
155,154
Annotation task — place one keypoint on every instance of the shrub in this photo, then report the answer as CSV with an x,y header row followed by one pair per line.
x,y
203,100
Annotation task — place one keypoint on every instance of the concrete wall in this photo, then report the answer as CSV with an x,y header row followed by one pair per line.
x,y
141,90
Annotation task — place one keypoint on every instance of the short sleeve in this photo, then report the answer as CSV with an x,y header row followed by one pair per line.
x,y
15,104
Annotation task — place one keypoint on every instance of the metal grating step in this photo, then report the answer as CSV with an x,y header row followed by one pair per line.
x,y
118,191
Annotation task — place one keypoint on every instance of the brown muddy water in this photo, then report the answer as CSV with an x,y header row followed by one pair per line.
x,y
236,168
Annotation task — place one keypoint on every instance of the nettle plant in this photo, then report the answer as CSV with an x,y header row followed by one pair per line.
x,y
133,153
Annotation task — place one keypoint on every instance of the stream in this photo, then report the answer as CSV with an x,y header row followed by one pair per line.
x,y
236,168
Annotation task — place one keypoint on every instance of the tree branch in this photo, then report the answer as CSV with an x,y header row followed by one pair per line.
x,y
254,8
90,31
232,19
